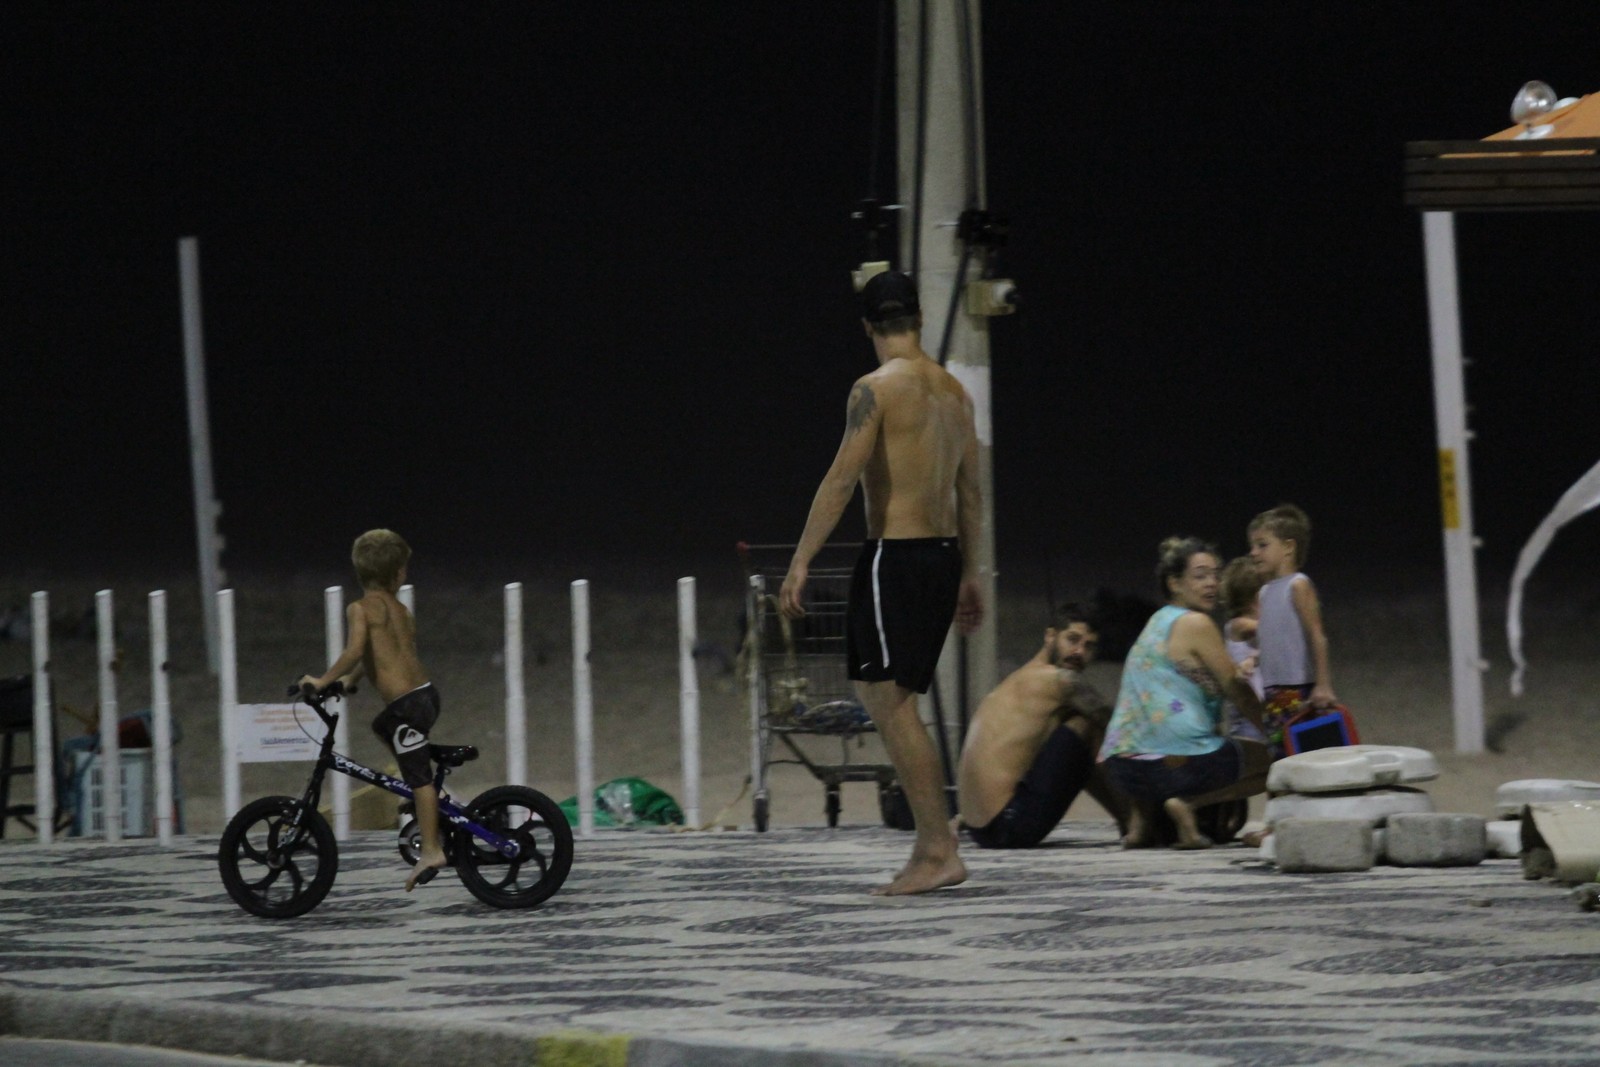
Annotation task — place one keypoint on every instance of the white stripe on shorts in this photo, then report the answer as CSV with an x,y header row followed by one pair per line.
x,y
877,605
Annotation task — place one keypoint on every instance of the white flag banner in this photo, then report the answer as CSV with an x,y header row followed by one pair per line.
x,y
1582,497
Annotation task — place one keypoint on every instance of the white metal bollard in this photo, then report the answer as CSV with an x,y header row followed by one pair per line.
x,y
333,610
688,702
582,707
161,716
110,742
758,779
44,747
516,691
228,701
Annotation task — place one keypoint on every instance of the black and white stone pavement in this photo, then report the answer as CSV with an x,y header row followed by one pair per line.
x,y
744,948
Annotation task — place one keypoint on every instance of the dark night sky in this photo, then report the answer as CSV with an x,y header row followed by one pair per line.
x,y
532,280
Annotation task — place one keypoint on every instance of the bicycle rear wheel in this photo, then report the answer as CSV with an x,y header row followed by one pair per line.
x,y
270,866
540,829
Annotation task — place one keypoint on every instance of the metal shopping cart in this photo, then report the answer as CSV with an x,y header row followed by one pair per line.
x,y
799,695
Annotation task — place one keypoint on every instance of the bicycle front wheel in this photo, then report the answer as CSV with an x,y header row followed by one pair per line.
x,y
272,867
544,839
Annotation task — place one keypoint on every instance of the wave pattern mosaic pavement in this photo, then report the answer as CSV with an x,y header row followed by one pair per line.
x,y
1077,951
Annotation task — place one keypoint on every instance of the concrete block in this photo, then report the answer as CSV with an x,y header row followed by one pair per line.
x,y
1324,845
1373,805
1561,840
1328,770
1441,839
1512,797
1505,838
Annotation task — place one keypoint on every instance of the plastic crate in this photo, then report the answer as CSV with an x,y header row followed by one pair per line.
x,y
138,794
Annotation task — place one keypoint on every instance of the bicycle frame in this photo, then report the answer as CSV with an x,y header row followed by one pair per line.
x,y
328,759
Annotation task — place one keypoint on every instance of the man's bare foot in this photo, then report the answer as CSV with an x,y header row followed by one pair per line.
x,y
1182,816
1253,838
924,876
428,865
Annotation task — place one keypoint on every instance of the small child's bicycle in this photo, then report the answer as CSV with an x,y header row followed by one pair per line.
x,y
511,847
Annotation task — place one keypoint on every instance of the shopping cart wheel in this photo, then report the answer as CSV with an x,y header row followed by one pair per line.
x,y
761,815
892,805
831,806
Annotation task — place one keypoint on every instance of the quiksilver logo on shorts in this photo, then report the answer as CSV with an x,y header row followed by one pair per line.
x,y
408,738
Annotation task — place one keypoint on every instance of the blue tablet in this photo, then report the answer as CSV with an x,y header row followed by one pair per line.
x,y
1324,731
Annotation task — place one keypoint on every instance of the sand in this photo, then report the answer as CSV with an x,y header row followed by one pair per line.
x,y
1388,640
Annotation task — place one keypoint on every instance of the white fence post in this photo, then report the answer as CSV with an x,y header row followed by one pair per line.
x,y
582,707
516,691
110,720
44,748
161,716
753,693
228,701
688,702
333,610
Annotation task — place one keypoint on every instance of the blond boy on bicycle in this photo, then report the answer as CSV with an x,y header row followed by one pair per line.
x,y
382,644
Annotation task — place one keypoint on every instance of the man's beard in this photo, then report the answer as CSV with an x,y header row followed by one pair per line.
x,y
1071,659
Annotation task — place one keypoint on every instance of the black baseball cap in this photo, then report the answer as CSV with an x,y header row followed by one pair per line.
x,y
889,295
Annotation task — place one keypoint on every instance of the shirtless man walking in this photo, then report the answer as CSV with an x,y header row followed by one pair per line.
x,y
1031,746
909,441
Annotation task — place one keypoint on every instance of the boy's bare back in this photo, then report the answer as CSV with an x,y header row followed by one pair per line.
x,y
387,635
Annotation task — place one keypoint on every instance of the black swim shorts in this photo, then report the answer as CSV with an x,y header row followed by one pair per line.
x,y
404,726
1059,771
902,601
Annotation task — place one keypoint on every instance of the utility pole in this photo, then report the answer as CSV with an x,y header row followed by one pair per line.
x,y
940,132
207,510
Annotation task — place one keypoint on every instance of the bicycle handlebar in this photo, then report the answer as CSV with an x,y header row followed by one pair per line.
x,y
305,692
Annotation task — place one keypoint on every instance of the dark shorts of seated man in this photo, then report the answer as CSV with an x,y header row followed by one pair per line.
x,y
403,726
1043,796
903,596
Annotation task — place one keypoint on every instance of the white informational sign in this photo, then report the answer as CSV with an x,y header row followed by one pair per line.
x,y
273,733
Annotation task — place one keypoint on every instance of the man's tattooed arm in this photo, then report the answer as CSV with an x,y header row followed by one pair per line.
x,y
862,406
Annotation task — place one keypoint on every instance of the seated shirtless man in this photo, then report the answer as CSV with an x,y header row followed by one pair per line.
x,y
1031,745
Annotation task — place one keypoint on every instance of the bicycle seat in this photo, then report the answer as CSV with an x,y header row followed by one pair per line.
x,y
453,755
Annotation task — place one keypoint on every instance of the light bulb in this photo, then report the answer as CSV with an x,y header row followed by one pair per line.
x,y
1532,100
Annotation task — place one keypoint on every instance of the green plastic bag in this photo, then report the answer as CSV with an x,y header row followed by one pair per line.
x,y
629,802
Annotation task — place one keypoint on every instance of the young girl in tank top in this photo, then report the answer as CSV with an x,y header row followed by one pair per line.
x,y
1240,584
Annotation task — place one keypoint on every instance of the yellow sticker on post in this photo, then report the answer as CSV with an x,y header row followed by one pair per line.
x,y
1448,497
